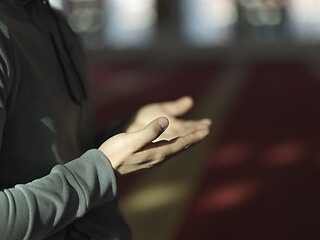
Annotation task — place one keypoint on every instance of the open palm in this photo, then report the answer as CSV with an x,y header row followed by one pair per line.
x,y
171,110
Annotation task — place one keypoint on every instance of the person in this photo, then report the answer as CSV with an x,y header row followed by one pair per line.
x,y
55,182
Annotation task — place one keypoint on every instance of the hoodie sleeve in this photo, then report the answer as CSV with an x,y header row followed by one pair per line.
x,y
40,208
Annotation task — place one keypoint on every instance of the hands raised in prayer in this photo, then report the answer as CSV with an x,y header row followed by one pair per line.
x,y
155,135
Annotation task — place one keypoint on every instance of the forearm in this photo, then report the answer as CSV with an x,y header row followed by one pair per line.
x,y
38,209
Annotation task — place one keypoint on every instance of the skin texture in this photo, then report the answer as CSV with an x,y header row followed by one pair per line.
x,y
155,135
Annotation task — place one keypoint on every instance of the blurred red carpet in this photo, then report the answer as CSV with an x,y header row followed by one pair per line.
x,y
261,178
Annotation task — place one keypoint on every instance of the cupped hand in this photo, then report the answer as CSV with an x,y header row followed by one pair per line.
x,y
171,110
134,151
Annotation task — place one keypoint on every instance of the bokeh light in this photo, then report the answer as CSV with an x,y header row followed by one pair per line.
x,y
133,24
58,4
304,20
129,23
207,22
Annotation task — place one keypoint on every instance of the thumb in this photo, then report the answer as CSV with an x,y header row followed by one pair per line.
x,y
151,132
179,106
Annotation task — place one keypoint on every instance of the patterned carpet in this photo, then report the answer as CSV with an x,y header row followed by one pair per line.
x,y
255,177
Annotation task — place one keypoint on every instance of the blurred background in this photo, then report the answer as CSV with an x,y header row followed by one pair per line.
x,y
253,67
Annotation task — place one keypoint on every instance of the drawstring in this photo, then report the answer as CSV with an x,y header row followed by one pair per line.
x,y
74,81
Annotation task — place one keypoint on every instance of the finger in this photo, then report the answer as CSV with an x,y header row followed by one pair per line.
x,y
179,106
163,149
182,128
206,121
202,122
182,125
151,132
177,134
190,129
187,141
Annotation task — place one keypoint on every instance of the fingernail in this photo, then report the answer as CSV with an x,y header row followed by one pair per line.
x,y
163,122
